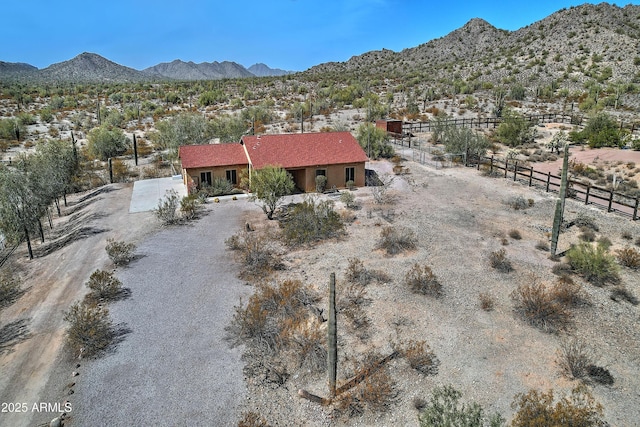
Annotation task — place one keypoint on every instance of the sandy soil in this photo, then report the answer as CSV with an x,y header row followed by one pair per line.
x,y
590,156
459,218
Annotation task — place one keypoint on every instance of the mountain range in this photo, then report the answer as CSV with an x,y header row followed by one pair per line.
x,y
91,67
573,46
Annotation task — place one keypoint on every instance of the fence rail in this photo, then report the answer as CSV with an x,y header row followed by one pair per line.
x,y
609,199
493,122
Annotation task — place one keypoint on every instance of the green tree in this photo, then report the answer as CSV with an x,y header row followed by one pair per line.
x,y
229,128
182,129
20,206
11,129
269,185
602,131
106,141
52,168
458,140
374,141
514,129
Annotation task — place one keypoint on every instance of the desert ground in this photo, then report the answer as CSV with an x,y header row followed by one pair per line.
x,y
173,366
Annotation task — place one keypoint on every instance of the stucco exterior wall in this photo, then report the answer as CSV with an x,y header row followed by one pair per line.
x,y
191,177
336,176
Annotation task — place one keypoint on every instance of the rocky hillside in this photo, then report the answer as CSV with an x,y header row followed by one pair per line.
x,y
600,42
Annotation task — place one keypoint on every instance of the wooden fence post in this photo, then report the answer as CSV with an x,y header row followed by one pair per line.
x,y
491,167
530,176
515,171
635,209
110,171
506,164
610,201
548,180
586,196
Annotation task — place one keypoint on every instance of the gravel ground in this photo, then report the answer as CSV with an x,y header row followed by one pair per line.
x,y
460,217
173,367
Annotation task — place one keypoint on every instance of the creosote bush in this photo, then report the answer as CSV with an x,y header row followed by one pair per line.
x,y
190,206
357,273
104,286
536,408
311,221
498,260
278,321
574,357
120,252
421,280
90,329
445,409
594,263
167,209
256,252
540,306
394,240
348,199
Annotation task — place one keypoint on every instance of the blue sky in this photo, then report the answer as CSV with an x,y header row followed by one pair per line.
x,y
286,34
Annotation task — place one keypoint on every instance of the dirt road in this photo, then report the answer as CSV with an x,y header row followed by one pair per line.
x,y
54,280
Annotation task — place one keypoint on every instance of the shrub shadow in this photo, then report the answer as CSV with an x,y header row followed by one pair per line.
x,y
13,333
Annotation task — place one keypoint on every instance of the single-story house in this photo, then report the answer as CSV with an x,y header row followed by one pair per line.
x,y
336,155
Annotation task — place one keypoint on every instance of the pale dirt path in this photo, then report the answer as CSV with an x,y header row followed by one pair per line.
x,y
54,282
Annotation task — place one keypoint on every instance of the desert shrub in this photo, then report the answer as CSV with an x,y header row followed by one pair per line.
x,y
583,221
348,199
605,242
104,286
594,263
190,206
419,356
90,329
219,187
376,392
252,419
569,293
394,240
9,289
273,316
321,183
256,252
587,235
515,234
350,304
628,257
538,305
574,357
120,252
536,408
357,273
380,190
445,409
626,235
421,280
486,301
620,293
311,221
542,245
637,242
498,260
517,203
167,209
562,269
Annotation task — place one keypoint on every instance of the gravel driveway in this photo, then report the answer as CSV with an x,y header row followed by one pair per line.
x,y
173,367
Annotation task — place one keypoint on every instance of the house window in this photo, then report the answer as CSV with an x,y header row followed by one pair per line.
x,y
232,177
205,178
321,172
350,174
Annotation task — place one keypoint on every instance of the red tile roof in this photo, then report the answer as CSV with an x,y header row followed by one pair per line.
x,y
304,149
212,155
